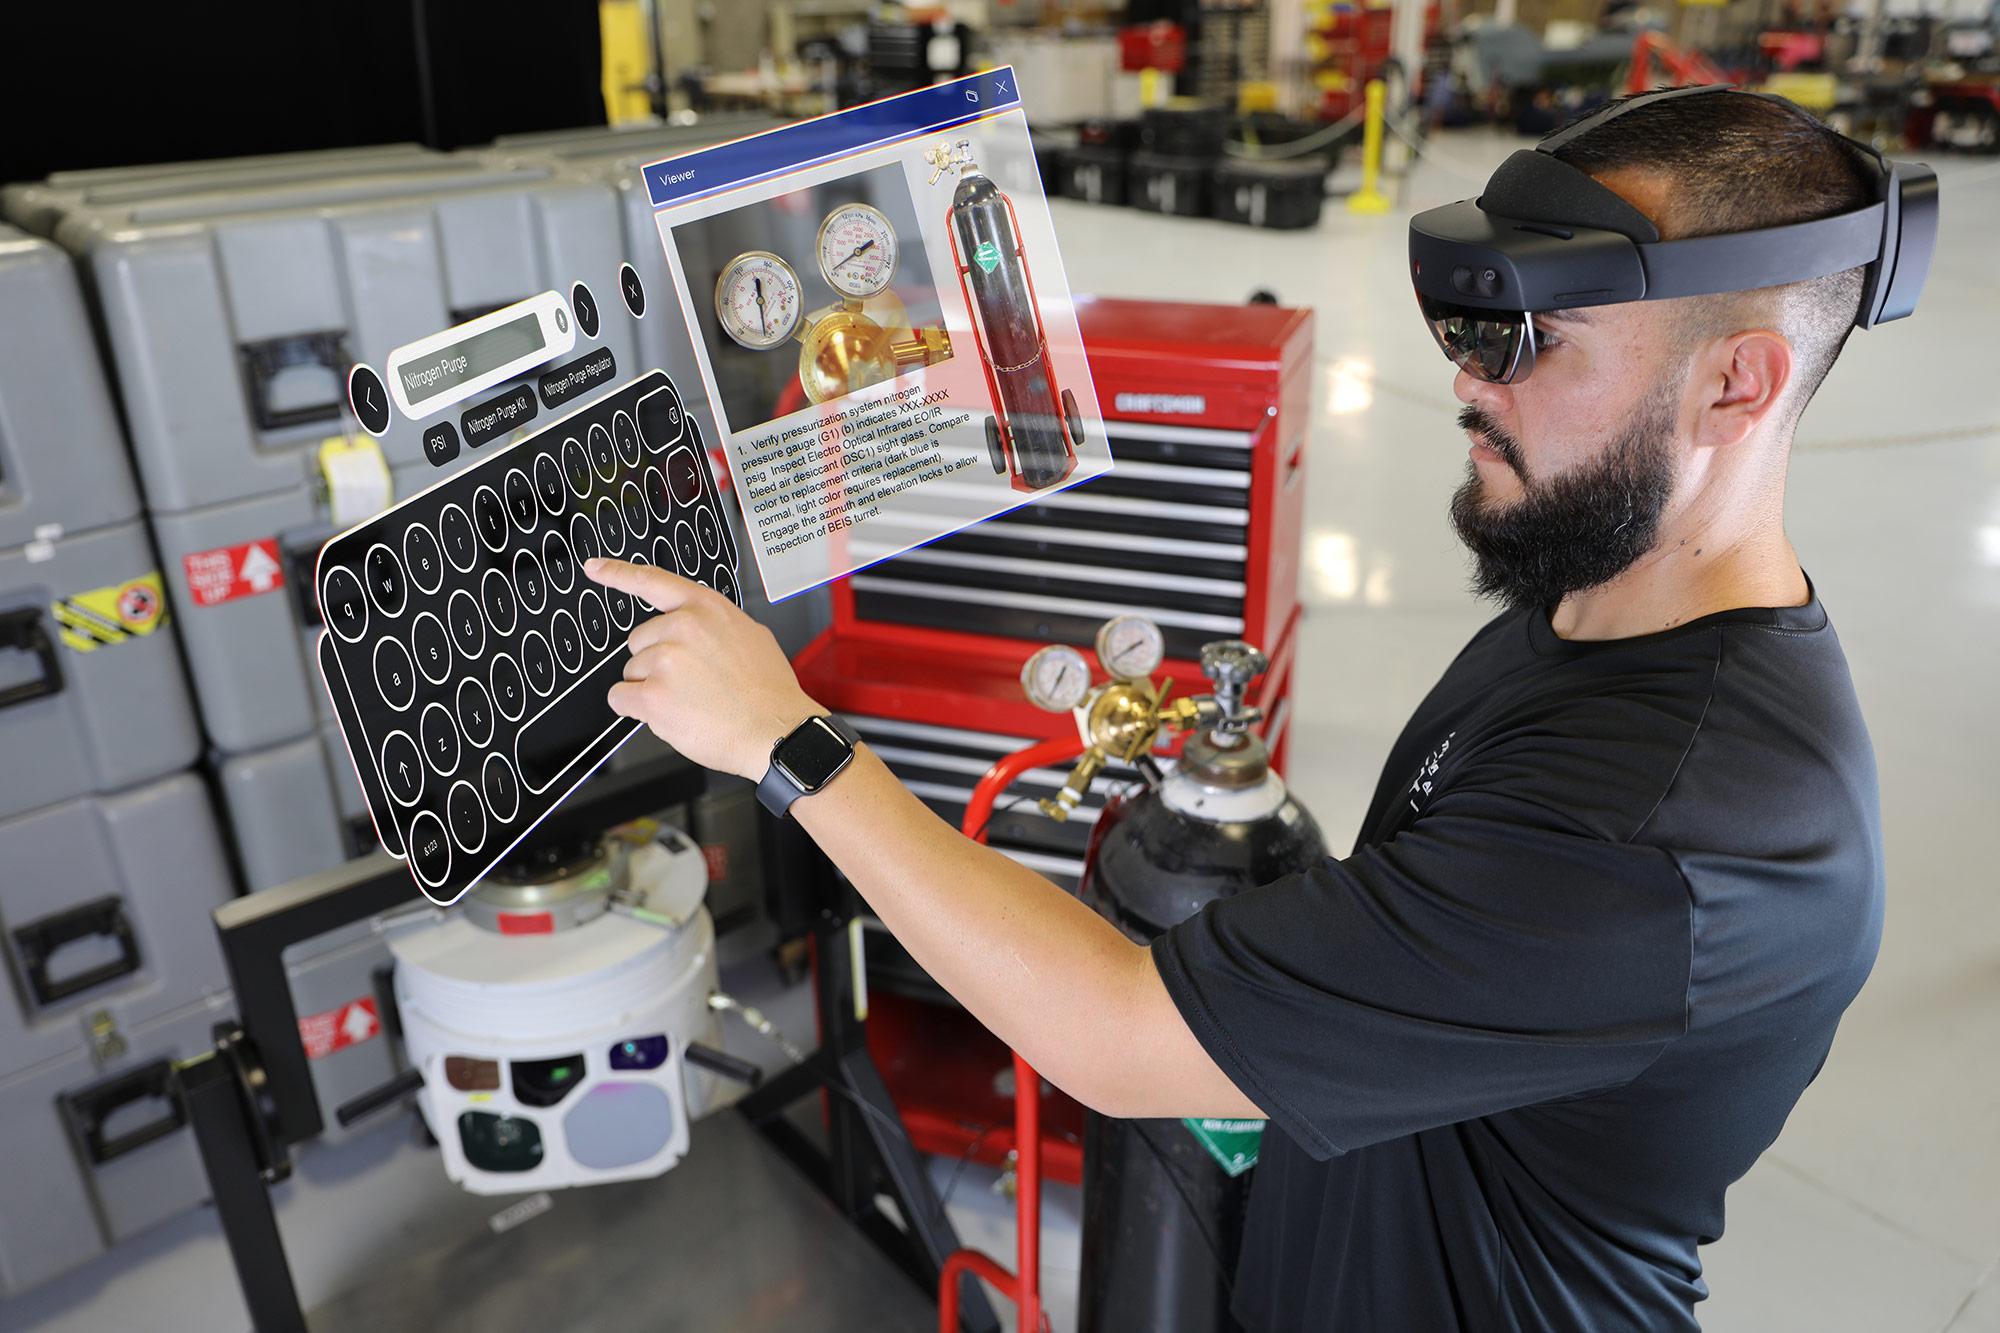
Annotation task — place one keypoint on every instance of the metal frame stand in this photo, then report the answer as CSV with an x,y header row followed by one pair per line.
x,y
251,1097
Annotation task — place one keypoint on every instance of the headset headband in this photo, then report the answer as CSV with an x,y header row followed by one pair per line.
x,y
1545,235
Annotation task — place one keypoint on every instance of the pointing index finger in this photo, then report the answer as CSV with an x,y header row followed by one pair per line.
x,y
650,584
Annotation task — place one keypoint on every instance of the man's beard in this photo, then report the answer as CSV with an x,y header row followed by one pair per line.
x,y
1576,531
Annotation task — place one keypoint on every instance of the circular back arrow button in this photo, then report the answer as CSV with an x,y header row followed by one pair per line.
x,y
369,398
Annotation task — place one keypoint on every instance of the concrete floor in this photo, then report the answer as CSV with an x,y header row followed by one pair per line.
x,y
1878,1209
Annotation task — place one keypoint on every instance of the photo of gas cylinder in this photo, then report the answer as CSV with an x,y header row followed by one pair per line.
x,y
1035,431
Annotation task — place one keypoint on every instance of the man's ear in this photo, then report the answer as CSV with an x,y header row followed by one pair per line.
x,y
1742,377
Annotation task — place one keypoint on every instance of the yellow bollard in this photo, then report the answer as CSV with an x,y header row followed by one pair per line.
x,y
1370,199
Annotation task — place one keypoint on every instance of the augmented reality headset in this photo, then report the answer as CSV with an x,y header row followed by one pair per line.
x,y
1547,236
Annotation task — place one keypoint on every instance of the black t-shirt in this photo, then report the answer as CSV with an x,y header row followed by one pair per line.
x,y
1604,914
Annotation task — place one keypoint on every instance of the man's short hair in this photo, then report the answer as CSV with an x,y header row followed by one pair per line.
x,y
1740,163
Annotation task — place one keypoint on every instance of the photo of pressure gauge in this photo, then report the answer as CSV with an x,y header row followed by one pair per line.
x,y
757,300
857,251
1057,678
1131,647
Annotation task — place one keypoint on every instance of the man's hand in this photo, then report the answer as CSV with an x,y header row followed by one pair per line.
x,y
709,680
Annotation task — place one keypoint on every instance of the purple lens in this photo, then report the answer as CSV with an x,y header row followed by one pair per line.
x,y
640,1053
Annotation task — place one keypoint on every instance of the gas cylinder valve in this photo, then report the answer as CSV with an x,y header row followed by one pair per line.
x,y
946,156
1122,718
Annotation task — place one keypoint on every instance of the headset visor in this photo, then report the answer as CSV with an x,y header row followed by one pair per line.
x,y
1497,346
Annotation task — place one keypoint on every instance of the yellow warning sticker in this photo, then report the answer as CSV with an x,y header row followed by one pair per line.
x,y
104,616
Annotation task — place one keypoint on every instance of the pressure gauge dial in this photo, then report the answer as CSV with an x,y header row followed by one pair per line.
x,y
757,300
1056,678
1131,647
857,251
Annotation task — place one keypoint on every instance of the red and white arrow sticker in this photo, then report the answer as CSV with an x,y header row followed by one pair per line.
x,y
229,572
336,1029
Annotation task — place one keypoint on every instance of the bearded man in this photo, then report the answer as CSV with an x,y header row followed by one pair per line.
x,y
1623,872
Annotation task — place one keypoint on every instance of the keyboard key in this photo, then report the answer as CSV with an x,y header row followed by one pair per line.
x,y
538,663
489,516
610,527
430,849
583,540
395,674
468,631
501,788
402,768
556,562
426,562
496,598
644,605
596,621
663,551
467,815
549,484
661,421
554,738
709,531
684,475
521,502
658,498
460,546
475,711
576,467
568,639
626,437
528,582
343,606
385,580
726,585
433,648
597,443
439,734
633,506
687,549
510,693
620,606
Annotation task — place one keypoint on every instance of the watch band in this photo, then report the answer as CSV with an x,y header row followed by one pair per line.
x,y
778,789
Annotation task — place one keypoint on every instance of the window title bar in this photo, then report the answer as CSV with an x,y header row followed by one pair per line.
x,y
810,142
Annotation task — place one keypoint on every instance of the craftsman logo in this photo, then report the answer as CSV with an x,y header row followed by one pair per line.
x,y
229,572
1162,404
987,256
337,1029
91,620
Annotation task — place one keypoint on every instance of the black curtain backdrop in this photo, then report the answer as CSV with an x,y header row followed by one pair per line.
x,y
123,83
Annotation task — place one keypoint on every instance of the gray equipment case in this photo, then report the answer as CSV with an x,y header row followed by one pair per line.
x,y
113,971
103,703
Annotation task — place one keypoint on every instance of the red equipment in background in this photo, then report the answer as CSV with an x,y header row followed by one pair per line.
x,y
1677,67
1197,528
1160,45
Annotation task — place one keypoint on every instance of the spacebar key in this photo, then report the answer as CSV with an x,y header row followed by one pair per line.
x,y
576,719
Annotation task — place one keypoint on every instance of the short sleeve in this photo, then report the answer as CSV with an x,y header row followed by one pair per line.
x,y
1486,958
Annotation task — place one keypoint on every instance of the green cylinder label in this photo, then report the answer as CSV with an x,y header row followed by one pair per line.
x,y
1232,1143
987,256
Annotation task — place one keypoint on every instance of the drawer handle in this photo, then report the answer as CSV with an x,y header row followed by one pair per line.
x,y
38,942
24,631
87,1110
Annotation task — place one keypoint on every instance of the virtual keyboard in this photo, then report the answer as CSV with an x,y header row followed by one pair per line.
x,y
466,653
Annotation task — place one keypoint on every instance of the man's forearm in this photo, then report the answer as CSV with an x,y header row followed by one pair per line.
x,y
1050,977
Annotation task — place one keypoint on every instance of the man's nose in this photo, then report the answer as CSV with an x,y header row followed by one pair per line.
x,y
1496,399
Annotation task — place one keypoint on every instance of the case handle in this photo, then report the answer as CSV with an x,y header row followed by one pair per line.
x,y
24,631
264,361
38,941
88,1110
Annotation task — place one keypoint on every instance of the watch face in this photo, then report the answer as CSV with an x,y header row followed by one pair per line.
x,y
812,754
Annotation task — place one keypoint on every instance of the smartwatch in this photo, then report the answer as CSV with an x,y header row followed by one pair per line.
x,y
811,756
